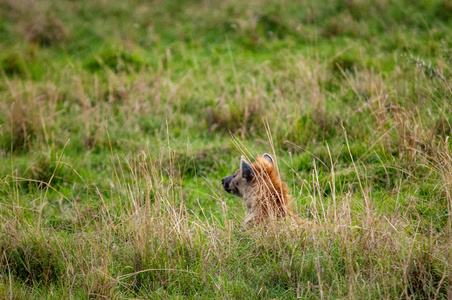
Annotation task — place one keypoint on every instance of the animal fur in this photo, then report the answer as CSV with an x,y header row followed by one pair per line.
x,y
265,195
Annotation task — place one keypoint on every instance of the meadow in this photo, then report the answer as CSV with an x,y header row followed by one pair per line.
x,y
118,120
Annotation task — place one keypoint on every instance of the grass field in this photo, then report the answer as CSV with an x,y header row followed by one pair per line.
x,y
118,120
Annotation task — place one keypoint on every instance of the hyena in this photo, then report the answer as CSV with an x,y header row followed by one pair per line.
x,y
266,196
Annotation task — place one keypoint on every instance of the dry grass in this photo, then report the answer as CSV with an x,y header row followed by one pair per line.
x,y
112,150
154,241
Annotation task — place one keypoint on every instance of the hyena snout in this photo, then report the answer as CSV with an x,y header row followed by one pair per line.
x,y
226,181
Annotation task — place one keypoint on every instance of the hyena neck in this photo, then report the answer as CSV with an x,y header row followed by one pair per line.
x,y
267,200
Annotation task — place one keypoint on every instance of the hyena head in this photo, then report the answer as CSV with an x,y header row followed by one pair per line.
x,y
241,183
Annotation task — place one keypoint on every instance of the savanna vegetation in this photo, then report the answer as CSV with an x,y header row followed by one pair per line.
x,y
119,118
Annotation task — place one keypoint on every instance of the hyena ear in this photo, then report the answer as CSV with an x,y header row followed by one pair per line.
x,y
268,158
246,170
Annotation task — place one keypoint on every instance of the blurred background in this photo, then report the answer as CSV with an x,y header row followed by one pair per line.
x,y
123,77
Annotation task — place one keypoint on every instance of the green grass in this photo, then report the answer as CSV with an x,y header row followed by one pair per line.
x,y
115,131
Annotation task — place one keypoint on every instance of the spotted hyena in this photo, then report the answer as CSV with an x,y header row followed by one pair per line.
x,y
265,195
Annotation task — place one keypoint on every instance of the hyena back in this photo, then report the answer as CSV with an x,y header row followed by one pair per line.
x,y
265,195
